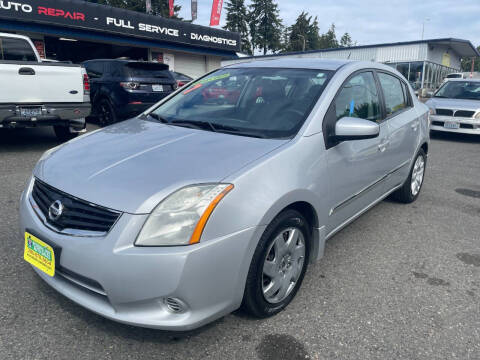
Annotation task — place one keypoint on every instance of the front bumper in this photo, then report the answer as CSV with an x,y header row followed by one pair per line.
x,y
467,125
62,114
111,277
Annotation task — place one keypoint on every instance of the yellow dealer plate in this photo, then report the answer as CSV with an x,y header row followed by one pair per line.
x,y
39,254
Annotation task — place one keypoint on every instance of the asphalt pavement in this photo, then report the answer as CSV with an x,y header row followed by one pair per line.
x,y
401,282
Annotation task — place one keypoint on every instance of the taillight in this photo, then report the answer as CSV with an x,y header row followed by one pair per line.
x,y
86,85
131,85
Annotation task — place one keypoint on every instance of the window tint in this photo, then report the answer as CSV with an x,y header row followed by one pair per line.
x,y
16,50
262,102
359,98
393,92
95,69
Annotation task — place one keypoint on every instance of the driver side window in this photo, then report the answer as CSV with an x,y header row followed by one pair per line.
x,y
359,98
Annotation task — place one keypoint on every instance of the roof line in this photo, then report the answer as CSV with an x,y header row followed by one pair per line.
x,y
369,46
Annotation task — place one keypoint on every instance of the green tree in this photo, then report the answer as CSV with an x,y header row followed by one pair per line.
x,y
329,39
159,7
237,20
346,40
467,63
298,33
265,25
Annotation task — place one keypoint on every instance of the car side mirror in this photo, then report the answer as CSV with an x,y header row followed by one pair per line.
x,y
349,128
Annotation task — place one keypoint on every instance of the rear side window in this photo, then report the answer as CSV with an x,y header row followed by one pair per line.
x,y
16,50
95,69
359,98
393,91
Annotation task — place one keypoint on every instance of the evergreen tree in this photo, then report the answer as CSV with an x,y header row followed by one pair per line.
x,y
159,7
346,40
299,31
329,39
265,25
237,21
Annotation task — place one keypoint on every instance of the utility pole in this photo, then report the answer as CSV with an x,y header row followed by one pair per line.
x,y
303,37
423,26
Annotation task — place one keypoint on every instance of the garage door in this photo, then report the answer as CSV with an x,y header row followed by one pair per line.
x,y
191,65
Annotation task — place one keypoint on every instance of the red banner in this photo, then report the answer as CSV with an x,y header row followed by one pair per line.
x,y
216,12
170,7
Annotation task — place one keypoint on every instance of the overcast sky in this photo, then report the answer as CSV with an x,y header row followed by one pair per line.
x,y
376,21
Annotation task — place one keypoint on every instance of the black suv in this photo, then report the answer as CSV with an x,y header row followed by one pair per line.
x,y
121,89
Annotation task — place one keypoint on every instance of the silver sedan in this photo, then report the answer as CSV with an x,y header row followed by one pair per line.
x,y
221,195
455,107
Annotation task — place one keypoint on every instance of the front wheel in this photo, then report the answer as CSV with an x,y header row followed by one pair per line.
x,y
411,188
63,133
278,265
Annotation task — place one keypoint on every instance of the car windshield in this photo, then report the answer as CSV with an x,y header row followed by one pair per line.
x,y
258,102
469,90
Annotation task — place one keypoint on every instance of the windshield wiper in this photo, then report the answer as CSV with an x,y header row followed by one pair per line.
x,y
236,131
158,118
203,125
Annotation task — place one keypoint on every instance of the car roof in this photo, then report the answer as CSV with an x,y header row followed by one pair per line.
x,y
295,63
464,80
124,61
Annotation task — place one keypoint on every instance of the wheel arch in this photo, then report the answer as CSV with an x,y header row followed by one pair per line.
x,y
301,201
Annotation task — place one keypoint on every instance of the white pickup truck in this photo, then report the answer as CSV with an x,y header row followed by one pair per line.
x,y
35,93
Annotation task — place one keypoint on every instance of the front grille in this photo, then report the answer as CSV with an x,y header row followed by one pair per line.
x,y
80,280
76,215
444,112
437,123
464,113
457,113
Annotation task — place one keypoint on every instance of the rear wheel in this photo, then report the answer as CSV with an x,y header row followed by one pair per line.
x,y
105,113
278,265
63,133
411,188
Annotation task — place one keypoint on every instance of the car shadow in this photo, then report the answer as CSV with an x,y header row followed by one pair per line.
x,y
27,139
450,136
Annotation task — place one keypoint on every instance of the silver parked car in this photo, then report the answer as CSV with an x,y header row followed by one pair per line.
x,y
455,107
197,207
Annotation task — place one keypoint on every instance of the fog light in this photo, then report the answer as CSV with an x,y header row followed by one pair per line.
x,y
175,305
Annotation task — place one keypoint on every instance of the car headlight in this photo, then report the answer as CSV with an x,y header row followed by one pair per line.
x,y
181,217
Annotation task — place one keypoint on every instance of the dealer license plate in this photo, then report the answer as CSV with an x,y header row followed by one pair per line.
x,y
29,112
157,87
39,254
451,125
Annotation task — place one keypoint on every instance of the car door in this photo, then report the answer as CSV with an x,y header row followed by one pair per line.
x,y
404,124
357,168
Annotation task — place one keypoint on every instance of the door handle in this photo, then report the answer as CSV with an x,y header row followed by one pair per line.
x,y
415,125
26,71
383,146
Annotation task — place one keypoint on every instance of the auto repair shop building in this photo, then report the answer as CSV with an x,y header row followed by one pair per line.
x,y
73,30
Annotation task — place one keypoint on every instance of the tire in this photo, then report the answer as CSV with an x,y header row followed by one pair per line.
x,y
261,298
105,113
408,193
63,133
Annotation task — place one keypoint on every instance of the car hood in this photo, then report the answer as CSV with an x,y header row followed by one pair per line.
x,y
454,104
132,166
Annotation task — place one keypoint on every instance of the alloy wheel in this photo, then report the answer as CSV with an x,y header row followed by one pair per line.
x,y
283,265
417,175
